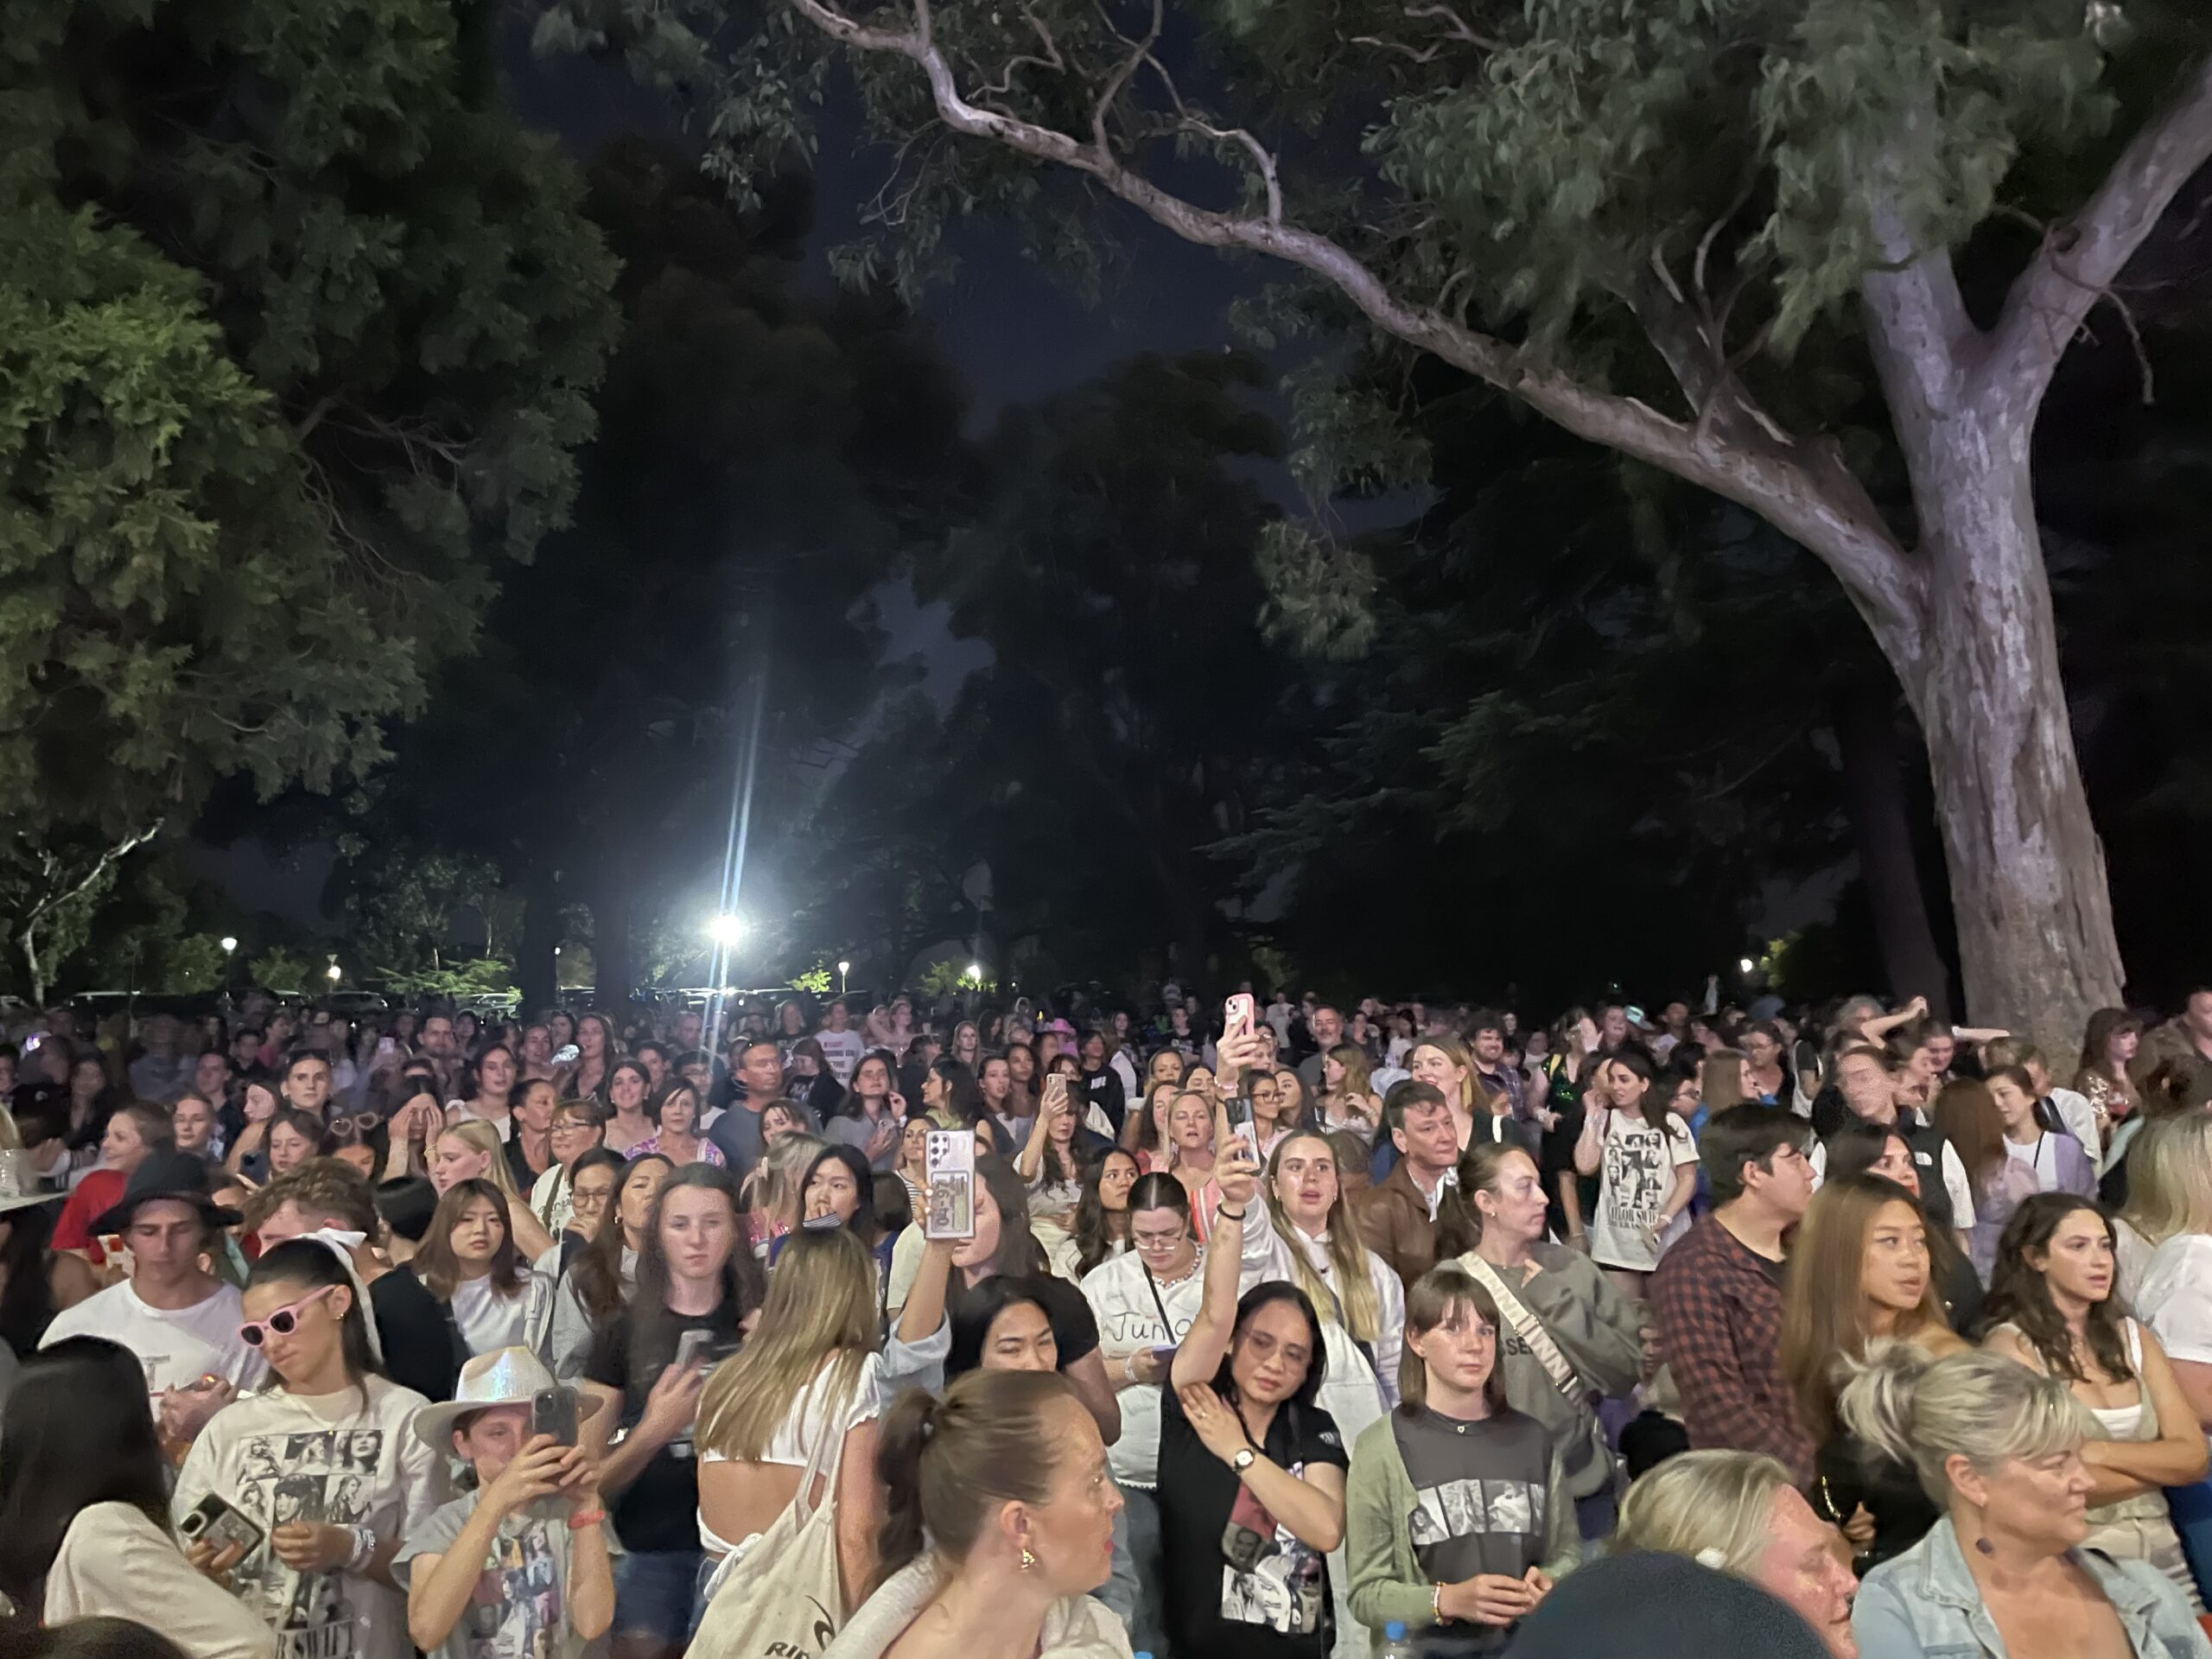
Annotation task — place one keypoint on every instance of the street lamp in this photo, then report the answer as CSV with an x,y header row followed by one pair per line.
x,y
975,972
334,973
726,929
843,967
1745,964
229,944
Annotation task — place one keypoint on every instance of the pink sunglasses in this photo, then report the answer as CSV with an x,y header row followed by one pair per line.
x,y
284,1321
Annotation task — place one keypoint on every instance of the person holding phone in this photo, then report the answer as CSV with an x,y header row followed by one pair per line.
x,y
697,1286
1051,1162
84,1509
519,1566
323,1460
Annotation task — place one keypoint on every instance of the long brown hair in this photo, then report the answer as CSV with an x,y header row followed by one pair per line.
x,y
1824,1322
1719,1096
2020,1295
948,1461
1967,1113
1431,1301
2104,1025
597,1273
434,1262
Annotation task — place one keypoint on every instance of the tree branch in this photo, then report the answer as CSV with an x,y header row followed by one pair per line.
x,y
1918,328
2081,258
1808,498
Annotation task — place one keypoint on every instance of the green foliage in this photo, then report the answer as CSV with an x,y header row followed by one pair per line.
x,y
816,981
296,337
279,969
485,977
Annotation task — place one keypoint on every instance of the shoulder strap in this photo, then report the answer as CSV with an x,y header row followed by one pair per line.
x,y
1528,1327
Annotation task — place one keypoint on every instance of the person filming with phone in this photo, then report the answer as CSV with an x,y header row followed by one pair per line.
x,y
520,1564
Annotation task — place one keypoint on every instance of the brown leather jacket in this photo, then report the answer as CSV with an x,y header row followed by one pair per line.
x,y
1393,1220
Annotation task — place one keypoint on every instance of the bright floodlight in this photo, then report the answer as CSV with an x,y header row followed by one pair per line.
x,y
1745,964
976,971
335,972
229,944
727,929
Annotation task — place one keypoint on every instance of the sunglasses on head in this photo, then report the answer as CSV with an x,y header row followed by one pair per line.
x,y
284,1321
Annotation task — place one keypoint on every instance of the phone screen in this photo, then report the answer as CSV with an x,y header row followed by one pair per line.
x,y
1242,1125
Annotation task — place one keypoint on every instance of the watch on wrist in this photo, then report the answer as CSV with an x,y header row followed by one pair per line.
x,y
1245,1458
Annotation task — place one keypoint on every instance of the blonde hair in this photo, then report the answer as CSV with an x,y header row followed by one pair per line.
x,y
819,1317
1471,1092
1715,1507
778,1182
1354,1298
1982,1407
1359,1075
481,1136
2169,1178
11,1138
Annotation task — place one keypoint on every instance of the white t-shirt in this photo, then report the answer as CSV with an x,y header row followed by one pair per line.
x,y
177,1346
1636,1179
1120,1299
113,1560
283,1456
842,1049
489,1320
2039,1157
2176,1297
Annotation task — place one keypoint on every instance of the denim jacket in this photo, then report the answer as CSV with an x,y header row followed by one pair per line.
x,y
1924,1604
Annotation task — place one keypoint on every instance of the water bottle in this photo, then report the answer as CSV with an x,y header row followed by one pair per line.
x,y
1395,1645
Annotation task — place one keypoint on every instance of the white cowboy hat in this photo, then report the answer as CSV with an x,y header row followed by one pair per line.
x,y
505,1376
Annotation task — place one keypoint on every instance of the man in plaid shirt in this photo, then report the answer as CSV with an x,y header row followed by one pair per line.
x,y
1717,1296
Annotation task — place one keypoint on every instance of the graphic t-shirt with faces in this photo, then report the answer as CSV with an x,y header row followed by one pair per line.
x,y
341,1459
520,1606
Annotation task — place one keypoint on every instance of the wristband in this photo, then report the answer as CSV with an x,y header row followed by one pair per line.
x,y
364,1546
1228,1214
589,1518
1436,1603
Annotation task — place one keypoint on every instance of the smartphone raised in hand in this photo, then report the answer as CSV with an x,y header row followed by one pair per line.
x,y
1243,1126
1237,1016
949,1183
553,1411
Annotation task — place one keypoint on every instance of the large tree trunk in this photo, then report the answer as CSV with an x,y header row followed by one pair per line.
x,y
1881,825
537,966
2036,943
610,944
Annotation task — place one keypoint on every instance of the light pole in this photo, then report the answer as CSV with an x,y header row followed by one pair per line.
x,y
844,969
725,930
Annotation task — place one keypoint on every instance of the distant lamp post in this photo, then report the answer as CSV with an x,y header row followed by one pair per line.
x,y
975,974
844,969
334,973
1746,964
229,944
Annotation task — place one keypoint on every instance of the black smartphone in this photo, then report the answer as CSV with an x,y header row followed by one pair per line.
x,y
219,1523
553,1411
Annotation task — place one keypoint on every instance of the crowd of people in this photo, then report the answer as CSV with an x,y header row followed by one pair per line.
x,y
1399,1328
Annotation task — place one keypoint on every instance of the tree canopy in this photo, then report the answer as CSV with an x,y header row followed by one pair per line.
x,y
298,338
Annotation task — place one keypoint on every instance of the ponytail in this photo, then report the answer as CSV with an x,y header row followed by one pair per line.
x,y
947,1461
1982,1407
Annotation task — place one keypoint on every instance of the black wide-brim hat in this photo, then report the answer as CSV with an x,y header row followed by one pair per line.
x,y
175,1177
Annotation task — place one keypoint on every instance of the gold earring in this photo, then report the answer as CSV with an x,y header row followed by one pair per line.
x,y
1028,1559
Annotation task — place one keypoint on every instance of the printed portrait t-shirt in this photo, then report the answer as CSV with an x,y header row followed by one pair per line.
x,y
520,1607
334,1458
1239,1583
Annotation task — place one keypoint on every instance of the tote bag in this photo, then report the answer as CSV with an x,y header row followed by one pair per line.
x,y
783,1597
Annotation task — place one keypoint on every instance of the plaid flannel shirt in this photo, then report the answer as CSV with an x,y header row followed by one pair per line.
x,y
1718,1309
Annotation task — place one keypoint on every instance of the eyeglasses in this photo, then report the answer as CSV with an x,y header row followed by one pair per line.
x,y
362,1122
284,1321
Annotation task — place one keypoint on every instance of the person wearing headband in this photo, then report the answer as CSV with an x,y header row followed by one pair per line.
x,y
325,1461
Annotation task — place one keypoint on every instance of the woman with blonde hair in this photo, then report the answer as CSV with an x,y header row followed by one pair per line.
x,y
1736,1513
1998,1447
471,1150
810,1374
1859,1272
2172,1213
1348,1097
775,1191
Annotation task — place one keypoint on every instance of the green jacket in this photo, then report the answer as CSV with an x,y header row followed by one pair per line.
x,y
1386,1583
